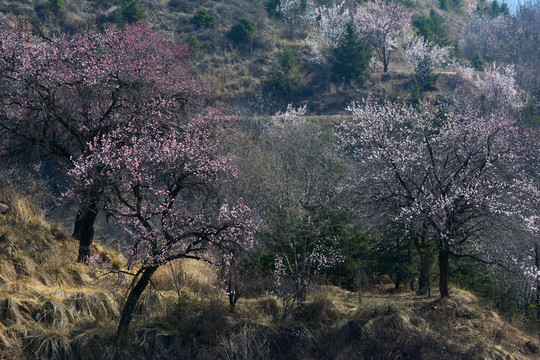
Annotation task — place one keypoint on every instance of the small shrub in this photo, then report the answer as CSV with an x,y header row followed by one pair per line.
x,y
271,6
243,30
530,115
424,76
180,5
203,18
443,4
285,76
257,3
478,61
194,44
56,6
456,51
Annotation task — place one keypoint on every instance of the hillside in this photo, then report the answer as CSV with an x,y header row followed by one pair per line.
x,y
241,75
251,182
52,308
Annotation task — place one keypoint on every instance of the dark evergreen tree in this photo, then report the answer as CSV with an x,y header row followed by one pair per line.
x,y
351,57
432,28
243,30
131,12
203,18
478,61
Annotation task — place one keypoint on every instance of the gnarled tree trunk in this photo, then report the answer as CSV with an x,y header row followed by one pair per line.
x,y
131,301
84,228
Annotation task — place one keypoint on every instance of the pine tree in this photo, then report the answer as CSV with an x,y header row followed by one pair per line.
x,y
351,57
131,12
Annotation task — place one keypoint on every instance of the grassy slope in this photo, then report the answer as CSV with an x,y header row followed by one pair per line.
x,y
53,308
239,74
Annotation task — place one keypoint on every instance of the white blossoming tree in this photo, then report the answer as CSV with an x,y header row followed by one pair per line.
x,y
382,23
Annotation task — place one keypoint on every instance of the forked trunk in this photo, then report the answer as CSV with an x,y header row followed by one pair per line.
x,y
131,302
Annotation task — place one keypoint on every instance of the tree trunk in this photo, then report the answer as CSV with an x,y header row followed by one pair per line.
x,y
131,302
411,274
537,263
423,278
232,286
84,228
300,292
385,59
443,277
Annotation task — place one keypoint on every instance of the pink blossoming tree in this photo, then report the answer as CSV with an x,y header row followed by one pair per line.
x,y
159,184
382,23
59,94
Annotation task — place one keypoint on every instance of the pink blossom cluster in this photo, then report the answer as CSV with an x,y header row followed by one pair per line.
x,y
496,89
158,184
61,93
291,117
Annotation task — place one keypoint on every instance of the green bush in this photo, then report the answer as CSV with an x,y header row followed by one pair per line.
x,y
56,6
194,44
243,30
203,18
478,61
443,4
285,76
351,57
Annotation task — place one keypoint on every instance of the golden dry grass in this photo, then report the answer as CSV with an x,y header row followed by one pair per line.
x,y
53,308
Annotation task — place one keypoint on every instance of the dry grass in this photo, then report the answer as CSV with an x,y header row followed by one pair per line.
x,y
52,308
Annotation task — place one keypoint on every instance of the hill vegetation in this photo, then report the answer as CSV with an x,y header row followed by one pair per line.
x,y
273,179
54,308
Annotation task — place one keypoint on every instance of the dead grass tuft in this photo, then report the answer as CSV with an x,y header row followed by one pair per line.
x,y
47,343
96,306
9,311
